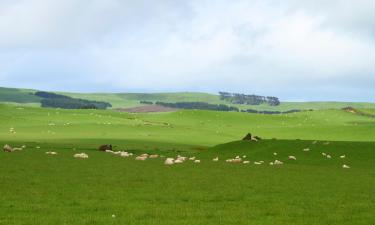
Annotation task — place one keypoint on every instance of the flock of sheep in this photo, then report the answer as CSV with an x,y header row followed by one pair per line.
x,y
178,159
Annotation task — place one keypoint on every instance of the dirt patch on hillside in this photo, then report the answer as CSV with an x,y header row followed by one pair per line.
x,y
357,112
148,109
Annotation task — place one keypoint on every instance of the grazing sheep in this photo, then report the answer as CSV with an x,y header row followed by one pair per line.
x,y
144,155
277,162
197,161
257,163
292,157
124,154
7,148
169,161
23,146
342,157
246,162
81,155
271,163
237,157
153,156
192,158
306,150
261,161
275,153
329,156
182,158
17,149
177,161
244,156
141,158
345,166
51,153
37,147
324,154
215,159
237,160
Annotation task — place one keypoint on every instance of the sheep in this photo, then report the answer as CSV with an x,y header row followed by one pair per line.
x,y
275,153
329,156
244,156
17,149
324,154
182,158
141,158
81,155
345,166
237,160
246,162
37,147
257,163
169,161
177,161
215,159
277,162
237,157
197,161
342,157
271,163
145,155
51,153
292,157
306,149
124,154
7,148
192,158
109,151
153,156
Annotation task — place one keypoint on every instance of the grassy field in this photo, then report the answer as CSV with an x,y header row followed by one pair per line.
x,y
40,189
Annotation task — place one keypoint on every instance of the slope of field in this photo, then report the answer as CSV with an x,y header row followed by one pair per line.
x,y
107,189
186,127
13,95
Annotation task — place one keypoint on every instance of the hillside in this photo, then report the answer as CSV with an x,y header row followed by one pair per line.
x,y
128,100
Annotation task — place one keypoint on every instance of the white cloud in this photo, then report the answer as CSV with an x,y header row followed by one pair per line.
x,y
252,46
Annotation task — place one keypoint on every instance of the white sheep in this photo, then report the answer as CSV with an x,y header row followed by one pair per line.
x,y
277,162
342,157
153,156
169,161
7,148
81,155
215,159
246,162
192,158
141,158
275,153
197,161
271,163
177,161
329,156
257,163
51,153
244,156
306,149
109,151
324,154
292,157
345,166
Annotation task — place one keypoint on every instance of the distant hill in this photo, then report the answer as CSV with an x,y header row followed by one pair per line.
x,y
128,100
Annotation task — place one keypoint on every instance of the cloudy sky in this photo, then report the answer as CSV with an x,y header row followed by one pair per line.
x,y
293,49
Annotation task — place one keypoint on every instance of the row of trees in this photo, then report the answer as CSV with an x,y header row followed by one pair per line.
x,y
198,105
65,102
236,98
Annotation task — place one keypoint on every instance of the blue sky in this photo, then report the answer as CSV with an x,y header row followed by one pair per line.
x,y
293,49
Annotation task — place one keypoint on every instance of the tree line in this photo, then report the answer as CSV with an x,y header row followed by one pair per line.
x,y
53,100
236,98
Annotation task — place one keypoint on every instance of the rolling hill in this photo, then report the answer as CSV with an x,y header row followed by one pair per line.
x,y
128,100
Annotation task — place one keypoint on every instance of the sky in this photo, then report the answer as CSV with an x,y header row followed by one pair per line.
x,y
297,50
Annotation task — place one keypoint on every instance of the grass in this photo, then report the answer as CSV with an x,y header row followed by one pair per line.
x,y
40,189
